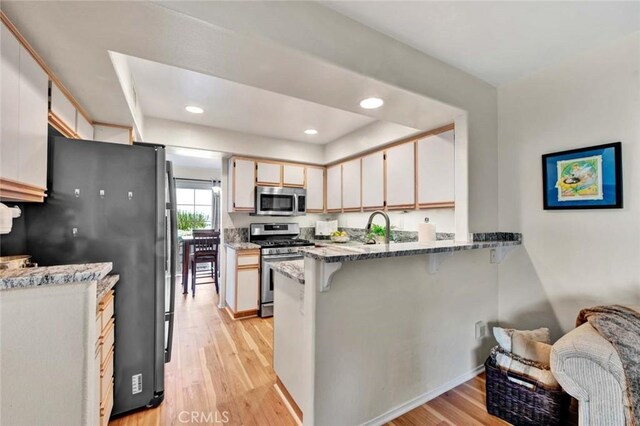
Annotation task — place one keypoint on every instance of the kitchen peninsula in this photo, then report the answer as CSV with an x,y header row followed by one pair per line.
x,y
57,344
367,346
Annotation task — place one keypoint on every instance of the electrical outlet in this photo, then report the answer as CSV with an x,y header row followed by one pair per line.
x,y
492,256
481,330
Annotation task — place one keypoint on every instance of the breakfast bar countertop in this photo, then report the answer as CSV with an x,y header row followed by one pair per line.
x,y
293,269
242,246
106,284
53,275
341,253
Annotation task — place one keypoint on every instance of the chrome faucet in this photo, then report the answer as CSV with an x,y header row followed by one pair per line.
x,y
386,221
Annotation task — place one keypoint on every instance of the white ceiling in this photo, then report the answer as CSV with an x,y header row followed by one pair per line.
x,y
164,91
74,39
497,41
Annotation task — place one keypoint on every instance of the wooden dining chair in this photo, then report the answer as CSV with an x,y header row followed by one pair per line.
x,y
206,243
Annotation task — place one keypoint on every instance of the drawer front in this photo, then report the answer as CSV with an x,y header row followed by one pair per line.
x,y
106,310
108,338
251,260
106,406
106,375
98,325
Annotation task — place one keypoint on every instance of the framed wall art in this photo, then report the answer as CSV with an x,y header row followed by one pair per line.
x,y
585,178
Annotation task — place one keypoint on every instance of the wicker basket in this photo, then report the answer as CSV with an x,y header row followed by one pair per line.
x,y
521,401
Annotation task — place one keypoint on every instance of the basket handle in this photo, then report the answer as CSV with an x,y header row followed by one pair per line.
x,y
524,382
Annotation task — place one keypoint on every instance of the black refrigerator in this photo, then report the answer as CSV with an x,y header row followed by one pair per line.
x,y
116,203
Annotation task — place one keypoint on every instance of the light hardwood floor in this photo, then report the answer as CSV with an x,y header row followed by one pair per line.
x,y
222,369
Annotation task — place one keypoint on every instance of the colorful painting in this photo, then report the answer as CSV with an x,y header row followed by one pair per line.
x,y
583,178
580,179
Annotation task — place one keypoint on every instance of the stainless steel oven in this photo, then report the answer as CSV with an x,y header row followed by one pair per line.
x,y
276,201
278,242
267,281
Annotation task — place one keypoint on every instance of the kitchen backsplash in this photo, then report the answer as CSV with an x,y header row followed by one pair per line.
x,y
236,235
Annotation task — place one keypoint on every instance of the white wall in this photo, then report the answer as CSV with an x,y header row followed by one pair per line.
x,y
572,259
196,173
188,135
376,134
444,219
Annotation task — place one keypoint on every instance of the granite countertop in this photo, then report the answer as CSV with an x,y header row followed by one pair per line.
x,y
293,269
106,284
242,246
341,253
53,275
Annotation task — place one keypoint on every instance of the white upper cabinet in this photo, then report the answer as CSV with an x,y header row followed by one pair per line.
x,y
23,143
315,189
34,85
436,170
269,173
9,121
351,189
400,188
334,188
373,181
242,185
293,175
84,128
63,108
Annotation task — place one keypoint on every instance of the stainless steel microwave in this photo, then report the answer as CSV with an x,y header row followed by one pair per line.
x,y
276,201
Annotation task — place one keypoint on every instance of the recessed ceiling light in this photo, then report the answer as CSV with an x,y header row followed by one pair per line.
x,y
194,109
371,103
311,132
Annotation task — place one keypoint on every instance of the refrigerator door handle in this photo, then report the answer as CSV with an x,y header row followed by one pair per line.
x,y
171,205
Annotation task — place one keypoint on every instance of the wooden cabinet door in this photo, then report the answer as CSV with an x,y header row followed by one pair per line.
x,y
269,174
244,186
373,181
351,188
34,87
64,110
248,286
400,187
315,189
293,175
9,122
334,188
436,170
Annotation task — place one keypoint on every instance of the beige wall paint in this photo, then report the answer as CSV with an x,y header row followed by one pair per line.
x,y
571,259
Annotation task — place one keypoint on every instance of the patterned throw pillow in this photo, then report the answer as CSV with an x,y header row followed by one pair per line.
x,y
504,336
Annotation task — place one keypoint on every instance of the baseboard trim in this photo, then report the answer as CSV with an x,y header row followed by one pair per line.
x,y
288,401
424,398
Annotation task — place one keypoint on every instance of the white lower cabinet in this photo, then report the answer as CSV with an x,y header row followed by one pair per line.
x,y
248,289
243,282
